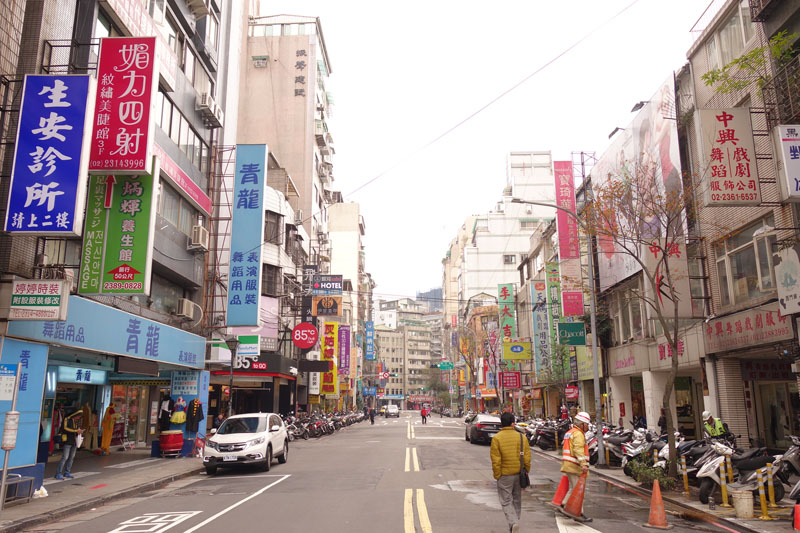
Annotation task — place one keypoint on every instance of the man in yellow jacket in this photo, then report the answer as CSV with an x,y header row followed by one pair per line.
x,y
505,453
575,454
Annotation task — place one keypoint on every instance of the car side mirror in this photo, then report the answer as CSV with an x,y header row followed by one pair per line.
x,y
276,427
212,431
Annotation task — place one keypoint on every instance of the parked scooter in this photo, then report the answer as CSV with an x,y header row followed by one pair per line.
x,y
746,465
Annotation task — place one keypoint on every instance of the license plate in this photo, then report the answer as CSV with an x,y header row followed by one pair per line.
x,y
229,458
491,434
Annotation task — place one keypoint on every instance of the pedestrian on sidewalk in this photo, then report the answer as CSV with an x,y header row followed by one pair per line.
x,y
505,450
70,429
575,454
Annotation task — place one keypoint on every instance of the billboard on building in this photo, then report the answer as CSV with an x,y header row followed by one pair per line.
x,y
506,311
541,328
47,190
329,348
569,249
728,157
648,144
247,235
127,77
369,336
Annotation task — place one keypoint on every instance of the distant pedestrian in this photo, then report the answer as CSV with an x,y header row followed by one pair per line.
x,y
372,416
424,414
70,430
575,454
218,420
505,451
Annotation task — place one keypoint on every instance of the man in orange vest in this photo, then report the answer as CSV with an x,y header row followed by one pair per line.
x,y
575,455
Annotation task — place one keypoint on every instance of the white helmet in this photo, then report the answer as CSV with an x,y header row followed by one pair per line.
x,y
706,415
584,417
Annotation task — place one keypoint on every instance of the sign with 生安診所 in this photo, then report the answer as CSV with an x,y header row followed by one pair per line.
x,y
247,235
122,139
117,243
48,177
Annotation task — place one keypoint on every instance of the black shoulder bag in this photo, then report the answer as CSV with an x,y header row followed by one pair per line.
x,y
524,480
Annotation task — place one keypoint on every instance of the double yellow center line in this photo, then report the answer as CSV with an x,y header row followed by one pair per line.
x,y
411,457
422,512
410,431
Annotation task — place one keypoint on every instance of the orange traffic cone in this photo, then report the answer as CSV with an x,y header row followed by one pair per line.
x,y
658,518
574,507
797,518
561,491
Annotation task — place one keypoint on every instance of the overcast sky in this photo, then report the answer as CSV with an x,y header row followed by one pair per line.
x,y
405,72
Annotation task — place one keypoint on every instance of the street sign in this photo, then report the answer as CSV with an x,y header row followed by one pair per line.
x,y
385,375
304,335
446,366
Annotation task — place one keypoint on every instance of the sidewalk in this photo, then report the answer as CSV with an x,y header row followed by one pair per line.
x,y
97,481
692,504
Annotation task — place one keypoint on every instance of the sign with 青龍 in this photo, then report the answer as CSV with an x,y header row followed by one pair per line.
x,y
48,177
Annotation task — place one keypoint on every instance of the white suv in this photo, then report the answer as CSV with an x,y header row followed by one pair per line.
x,y
246,440
392,410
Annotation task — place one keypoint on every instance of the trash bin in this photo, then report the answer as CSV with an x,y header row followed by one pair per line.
x,y
742,502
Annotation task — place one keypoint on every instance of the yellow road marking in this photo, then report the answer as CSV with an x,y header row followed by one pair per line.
x,y
412,431
414,458
423,512
408,512
408,430
408,454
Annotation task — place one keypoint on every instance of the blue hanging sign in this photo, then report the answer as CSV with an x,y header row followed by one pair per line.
x,y
369,334
51,156
247,235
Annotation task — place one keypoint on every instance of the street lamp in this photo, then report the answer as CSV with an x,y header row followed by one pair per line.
x,y
233,343
601,458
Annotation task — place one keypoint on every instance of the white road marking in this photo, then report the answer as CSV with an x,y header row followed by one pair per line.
x,y
136,463
567,525
76,475
223,478
438,438
154,522
237,504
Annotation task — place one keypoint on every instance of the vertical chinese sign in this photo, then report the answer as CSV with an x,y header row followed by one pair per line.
x,y
122,139
344,350
506,313
786,142
118,234
247,235
553,301
369,334
729,157
329,348
48,176
541,329
569,251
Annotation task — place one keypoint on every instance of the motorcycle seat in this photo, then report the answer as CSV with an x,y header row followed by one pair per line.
x,y
697,450
754,463
687,444
617,440
659,444
746,454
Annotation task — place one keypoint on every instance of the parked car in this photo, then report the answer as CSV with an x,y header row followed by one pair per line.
x,y
392,410
383,410
249,439
481,427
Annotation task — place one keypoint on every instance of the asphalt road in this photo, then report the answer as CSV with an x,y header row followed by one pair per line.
x,y
395,476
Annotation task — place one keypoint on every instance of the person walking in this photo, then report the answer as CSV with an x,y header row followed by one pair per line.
x,y
372,416
424,414
71,428
505,452
575,455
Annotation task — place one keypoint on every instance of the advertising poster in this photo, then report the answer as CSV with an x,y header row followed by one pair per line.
x,y
569,249
330,349
506,310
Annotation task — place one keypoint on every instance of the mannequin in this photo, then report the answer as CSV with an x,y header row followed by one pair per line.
x,y
108,429
179,413
165,413
194,415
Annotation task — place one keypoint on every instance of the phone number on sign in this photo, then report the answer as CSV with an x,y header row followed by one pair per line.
x,y
136,164
127,286
741,197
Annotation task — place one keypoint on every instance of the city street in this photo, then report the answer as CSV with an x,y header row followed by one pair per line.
x,y
395,476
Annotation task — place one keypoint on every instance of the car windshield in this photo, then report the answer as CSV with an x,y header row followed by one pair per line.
x,y
251,424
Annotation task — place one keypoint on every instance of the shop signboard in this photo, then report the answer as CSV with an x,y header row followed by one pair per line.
x,y
583,358
127,77
726,137
326,305
510,380
183,182
247,235
506,310
766,370
330,348
553,301
268,330
121,334
344,350
786,141
51,156
369,391
8,379
572,333
515,350
762,325
787,275
184,383
369,334
628,359
313,377
84,375
571,392
569,250
32,358
541,330
117,249
326,285
247,352
36,299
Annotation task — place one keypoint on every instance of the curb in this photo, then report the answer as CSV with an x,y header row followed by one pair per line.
x,y
704,515
50,516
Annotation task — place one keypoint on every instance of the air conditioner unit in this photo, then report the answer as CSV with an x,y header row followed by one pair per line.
x,y
199,239
205,104
298,217
219,116
185,308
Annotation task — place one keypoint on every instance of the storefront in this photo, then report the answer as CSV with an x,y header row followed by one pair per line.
x,y
264,384
745,350
116,364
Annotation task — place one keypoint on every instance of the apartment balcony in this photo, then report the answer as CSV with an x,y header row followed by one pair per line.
x,y
761,9
782,95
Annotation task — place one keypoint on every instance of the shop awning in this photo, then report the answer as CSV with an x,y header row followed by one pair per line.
x,y
153,382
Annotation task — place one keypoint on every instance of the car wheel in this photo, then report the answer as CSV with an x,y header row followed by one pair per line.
x,y
282,458
268,463
211,470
